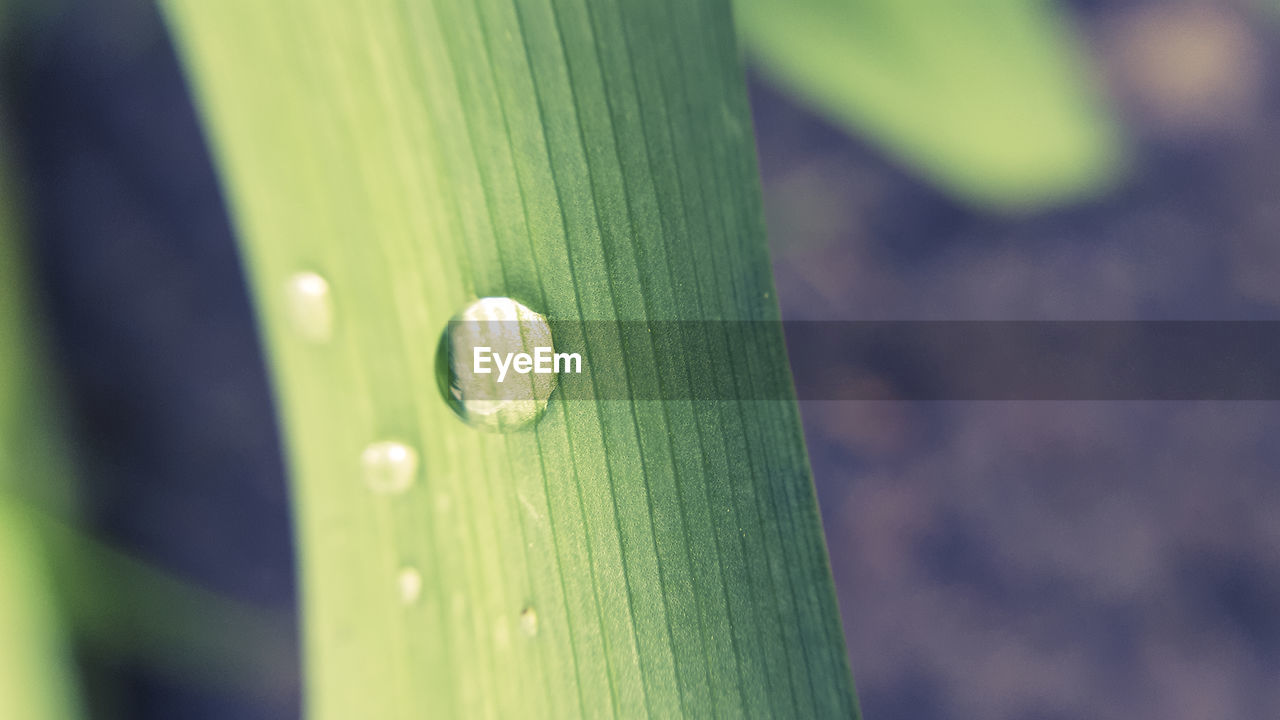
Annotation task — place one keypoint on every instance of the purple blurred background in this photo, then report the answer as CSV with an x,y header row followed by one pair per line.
x,y
1008,560
1056,559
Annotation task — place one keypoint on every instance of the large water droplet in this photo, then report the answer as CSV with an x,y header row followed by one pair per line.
x,y
507,334
310,306
409,580
389,467
529,621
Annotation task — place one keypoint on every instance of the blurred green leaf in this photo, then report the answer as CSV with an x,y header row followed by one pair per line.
x,y
56,582
128,610
35,666
990,100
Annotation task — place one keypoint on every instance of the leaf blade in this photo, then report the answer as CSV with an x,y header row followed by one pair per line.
x,y
419,155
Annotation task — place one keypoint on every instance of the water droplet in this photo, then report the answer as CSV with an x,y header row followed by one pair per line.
x,y
498,400
529,621
310,306
389,467
410,583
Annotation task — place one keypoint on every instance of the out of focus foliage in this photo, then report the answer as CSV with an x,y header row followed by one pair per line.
x,y
991,101
34,668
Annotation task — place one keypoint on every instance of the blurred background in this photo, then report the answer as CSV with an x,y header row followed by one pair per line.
x,y
1091,160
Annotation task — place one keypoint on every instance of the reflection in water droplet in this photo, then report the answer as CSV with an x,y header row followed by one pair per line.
x,y
529,621
310,306
410,582
520,379
389,467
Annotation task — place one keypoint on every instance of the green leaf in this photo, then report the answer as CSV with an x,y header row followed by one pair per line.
x,y
129,611
35,665
992,101
592,160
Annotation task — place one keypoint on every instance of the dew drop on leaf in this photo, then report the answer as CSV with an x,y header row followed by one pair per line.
x,y
409,581
309,305
389,467
529,621
490,368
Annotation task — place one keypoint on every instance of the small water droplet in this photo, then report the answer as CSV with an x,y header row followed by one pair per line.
x,y
310,306
529,621
409,581
498,400
389,467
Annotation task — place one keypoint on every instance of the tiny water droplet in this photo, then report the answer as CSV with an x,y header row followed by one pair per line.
x,y
508,335
310,306
409,581
529,621
389,467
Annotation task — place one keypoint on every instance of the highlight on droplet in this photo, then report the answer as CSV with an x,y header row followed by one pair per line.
x,y
409,582
309,305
